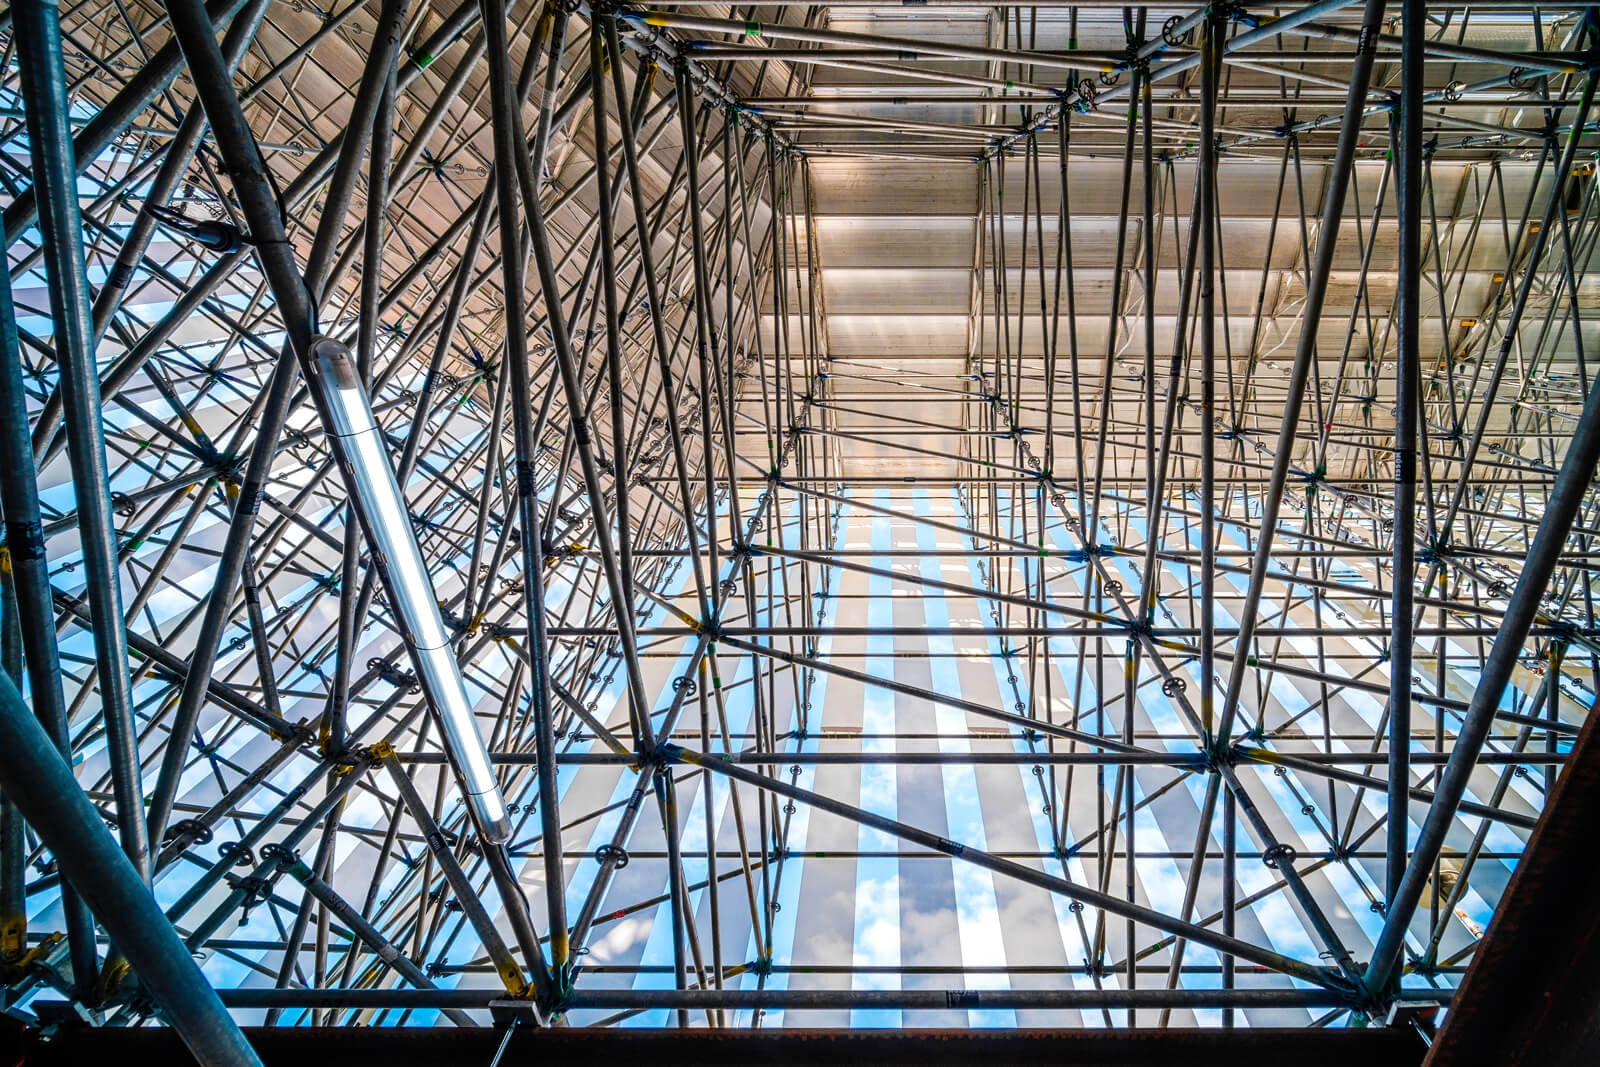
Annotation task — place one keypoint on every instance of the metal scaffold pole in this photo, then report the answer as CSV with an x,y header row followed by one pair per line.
x,y
1071,515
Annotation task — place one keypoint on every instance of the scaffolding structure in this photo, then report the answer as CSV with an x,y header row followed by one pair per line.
x,y
1048,515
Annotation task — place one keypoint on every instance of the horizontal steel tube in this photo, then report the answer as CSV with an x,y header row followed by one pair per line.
x,y
813,999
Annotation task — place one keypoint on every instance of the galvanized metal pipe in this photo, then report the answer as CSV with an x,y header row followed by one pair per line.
x,y
38,40
37,780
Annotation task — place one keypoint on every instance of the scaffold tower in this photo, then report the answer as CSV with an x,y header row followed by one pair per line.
x,y
531,514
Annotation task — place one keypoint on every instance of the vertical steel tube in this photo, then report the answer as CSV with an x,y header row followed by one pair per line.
x,y
1147,182
1407,378
658,328
705,342
1305,354
30,578
508,144
1230,824
1206,200
572,388
1091,531
13,839
667,803
38,40
613,328
1566,498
